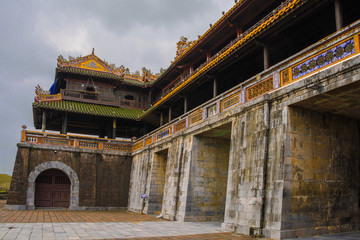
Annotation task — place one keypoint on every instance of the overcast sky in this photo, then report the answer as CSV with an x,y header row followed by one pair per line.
x,y
133,33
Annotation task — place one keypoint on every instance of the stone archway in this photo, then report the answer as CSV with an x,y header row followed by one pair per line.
x,y
74,189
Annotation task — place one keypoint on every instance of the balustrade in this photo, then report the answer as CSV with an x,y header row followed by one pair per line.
x,y
35,137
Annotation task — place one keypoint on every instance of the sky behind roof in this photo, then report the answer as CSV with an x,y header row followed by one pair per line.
x,y
133,33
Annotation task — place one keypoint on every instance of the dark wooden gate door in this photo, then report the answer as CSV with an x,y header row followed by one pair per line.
x,y
52,189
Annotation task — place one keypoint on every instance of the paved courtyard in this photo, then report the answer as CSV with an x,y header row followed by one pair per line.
x,y
51,224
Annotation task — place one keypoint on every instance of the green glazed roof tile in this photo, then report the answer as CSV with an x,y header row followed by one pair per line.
x,y
89,109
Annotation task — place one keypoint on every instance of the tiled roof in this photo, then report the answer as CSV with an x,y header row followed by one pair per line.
x,y
89,109
91,73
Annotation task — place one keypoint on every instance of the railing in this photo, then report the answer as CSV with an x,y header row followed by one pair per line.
x,y
334,49
75,141
284,7
99,98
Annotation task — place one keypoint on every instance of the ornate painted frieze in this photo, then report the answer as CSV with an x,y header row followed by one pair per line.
x,y
323,59
138,145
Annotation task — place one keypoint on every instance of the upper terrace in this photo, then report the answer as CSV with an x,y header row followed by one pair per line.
x,y
332,50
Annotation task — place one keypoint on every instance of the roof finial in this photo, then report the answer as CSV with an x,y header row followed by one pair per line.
x,y
93,50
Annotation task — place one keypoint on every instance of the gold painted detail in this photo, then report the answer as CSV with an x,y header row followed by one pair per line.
x,y
48,98
196,117
180,125
92,62
226,103
260,88
138,145
148,141
285,77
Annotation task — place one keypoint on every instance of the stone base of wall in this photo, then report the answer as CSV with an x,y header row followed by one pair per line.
x,y
285,234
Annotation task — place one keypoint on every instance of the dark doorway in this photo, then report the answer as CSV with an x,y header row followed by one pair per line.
x,y
52,189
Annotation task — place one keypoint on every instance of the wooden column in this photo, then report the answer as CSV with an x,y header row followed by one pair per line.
x,y
170,114
214,87
338,15
64,123
114,128
150,93
208,56
161,119
238,32
185,104
266,57
43,124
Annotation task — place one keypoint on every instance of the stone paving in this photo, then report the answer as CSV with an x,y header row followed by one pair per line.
x,y
58,225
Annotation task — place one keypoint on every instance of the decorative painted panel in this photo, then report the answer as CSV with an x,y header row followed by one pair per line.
x,y
260,88
163,134
323,59
180,125
138,145
211,110
196,117
148,141
230,101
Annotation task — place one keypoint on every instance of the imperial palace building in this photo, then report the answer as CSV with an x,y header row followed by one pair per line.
x,y
255,124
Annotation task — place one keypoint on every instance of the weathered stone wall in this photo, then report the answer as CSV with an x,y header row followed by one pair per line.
x,y
208,179
103,177
322,190
246,189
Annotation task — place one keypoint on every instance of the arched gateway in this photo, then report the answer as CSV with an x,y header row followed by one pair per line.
x,y
53,184
52,189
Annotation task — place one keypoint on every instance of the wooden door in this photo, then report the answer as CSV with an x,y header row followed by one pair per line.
x,y
52,189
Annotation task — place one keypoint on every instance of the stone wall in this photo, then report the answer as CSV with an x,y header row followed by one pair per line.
x,y
208,179
322,180
103,177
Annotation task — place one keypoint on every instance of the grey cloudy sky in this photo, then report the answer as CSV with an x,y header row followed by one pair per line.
x,y
135,33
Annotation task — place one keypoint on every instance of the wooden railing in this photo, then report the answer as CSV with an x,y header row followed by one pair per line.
x,y
99,98
334,49
75,141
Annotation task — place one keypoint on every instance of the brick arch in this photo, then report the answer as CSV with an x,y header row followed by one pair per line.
x,y
74,189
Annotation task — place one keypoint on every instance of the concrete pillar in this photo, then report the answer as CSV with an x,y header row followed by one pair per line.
x,y
114,129
170,114
185,104
338,15
266,57
43,124
214,87
64,124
